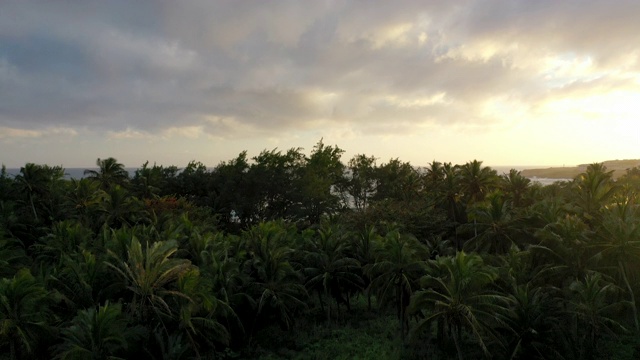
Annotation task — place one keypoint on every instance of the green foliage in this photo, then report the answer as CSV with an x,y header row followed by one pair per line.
x,y
149,274
288,255
24,314
109,174
102,333
457,293
361,183
496,226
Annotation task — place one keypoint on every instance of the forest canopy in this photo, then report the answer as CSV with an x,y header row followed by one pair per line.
x,y
293,255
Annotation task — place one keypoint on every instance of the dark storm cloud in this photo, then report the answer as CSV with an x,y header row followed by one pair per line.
x,y
266,66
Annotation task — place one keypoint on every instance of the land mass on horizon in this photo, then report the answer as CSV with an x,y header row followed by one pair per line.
x,y
619,168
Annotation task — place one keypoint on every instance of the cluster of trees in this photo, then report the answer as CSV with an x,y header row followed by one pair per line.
x,y
211,263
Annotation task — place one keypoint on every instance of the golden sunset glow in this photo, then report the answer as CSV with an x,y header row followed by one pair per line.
x,y
528,84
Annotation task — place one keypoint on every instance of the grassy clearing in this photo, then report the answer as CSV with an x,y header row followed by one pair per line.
x,y
358,334
365,339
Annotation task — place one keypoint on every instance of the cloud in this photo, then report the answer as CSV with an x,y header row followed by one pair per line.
x,y
233,69
10,134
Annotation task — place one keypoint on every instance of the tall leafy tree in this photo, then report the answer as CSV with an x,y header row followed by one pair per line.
x,y
533,323
200,311
593,190
109,173
42,185
593,306
275,284
457,292
150,274
234,191
565,251
497,226
365,245
360,181
619,245
12,255
515,186
149,182
321,176
120,208
476,182
85,199
24,314
329,269
434,176
397,180
102,333
81,281
400,262
276,179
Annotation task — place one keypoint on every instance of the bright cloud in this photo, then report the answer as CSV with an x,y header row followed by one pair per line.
x,y
445,79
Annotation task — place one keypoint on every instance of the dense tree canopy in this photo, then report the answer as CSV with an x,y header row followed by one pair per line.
x,y
280,254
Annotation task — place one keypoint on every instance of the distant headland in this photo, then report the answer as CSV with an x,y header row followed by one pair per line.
x,y
619,168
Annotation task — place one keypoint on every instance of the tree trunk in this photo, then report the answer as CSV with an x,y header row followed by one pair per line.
x,y
475,227
12,347
321,302
401,314
456,341
35,214
440,332
634,308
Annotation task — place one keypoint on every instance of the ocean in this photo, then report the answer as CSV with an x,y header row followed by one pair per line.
x,y
78,173
71,173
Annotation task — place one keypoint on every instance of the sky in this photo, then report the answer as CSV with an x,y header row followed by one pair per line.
x,y
518,82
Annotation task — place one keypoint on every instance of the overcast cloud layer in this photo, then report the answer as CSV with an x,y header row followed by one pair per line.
x,y
251,70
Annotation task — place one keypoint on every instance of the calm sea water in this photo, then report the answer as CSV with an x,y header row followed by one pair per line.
x,y
78,173
71,173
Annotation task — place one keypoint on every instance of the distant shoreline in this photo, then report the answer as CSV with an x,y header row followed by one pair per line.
x,y
619,168
543,175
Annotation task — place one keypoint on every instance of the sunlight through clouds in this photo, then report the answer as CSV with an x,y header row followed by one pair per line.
x,y
459,76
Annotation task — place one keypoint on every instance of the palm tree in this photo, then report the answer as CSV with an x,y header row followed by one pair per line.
x,y
564,251
594,189
515,186
110,173
274,283
365,244
39,182
12,256
476,182
619,243
120,208
97,334
498,228
200,311
222,264
148,181
24,313
457,294
328,268
449,197
85,199
81,280
532,323
593,307
394,276
149,274
435,176
64,238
